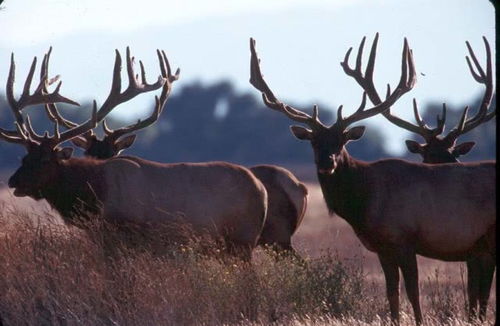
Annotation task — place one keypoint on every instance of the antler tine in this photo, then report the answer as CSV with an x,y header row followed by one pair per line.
x,y
160,102
134,88
51,108
107,130
44,72
481,77
40,96
55,116
408,78
270,100
420,123
140,124
76,131
10,91
364,80
166,73
441,120
11,136
31,132
406,83
17,137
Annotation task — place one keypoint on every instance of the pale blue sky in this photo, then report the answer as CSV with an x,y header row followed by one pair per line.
x,y
301,43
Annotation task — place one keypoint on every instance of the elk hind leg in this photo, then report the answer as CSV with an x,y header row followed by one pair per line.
x,y
487,266
473,277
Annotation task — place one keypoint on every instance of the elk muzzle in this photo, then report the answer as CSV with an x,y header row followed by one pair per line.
x,y
328,167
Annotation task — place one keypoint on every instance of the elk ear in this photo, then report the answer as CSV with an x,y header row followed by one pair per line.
x,y
354,133
463,148
125,142
64,153
301,132
414,147
80,142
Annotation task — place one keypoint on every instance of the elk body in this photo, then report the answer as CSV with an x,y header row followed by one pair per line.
x,y
439,148
396,208
222,199
287,196
287,202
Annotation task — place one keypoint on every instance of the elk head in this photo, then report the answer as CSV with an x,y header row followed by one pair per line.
x,y
328,141
44,156
114,141
438,148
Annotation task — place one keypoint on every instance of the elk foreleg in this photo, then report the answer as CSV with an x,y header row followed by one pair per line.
x,y
391,273
409,268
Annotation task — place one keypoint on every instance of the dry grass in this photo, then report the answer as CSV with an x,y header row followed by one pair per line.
x,y
55,275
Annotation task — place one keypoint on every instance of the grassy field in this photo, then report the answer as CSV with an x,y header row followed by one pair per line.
x,y
55,275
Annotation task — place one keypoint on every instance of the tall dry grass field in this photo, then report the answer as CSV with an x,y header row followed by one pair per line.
x,y
51,274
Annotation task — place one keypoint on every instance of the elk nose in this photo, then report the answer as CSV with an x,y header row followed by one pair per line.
x,y
326,171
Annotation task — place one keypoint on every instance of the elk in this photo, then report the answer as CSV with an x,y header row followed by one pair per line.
x,y
222,199
397,209
287,196
443,149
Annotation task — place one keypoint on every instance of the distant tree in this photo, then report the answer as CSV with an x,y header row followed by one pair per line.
x,y
193,128
205,123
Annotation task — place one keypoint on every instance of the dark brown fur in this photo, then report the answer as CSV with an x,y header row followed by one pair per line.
x,y
284,214
353,194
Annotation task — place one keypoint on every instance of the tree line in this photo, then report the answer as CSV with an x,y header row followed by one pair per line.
x,y
214,122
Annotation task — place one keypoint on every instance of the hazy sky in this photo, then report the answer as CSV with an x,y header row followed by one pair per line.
x,y
300,42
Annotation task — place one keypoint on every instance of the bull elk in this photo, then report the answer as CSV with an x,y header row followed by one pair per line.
x,y
443,149
225,200
398,209
287,196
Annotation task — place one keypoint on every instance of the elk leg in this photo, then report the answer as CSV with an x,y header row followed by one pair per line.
x,y
409,268
391,273
473,276
487,265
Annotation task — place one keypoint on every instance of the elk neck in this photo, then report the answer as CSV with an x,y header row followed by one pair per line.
x,y
78,188
345,191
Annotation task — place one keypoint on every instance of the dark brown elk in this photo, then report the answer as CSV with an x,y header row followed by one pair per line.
x,y
439,148
398,209
224,200
287,196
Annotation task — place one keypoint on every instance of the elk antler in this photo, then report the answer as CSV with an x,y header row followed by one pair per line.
x,y
481,77
366,82
271,101
166,73
135,87
406,83
40,96
24,132
167,79
421,128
